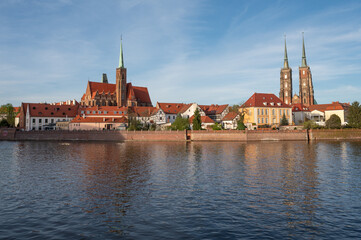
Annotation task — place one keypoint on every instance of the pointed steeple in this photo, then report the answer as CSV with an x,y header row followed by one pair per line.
x,y
285,64
304,63
121,63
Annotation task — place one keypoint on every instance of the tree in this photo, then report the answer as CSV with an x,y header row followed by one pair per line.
x,y
8,109
354,115
240,124
134,124
284,121
197,122
180,123
309,124
217,126
4,123
333,122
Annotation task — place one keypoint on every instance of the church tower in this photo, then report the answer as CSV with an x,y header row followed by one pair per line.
x,y
121,80
306,85
286,80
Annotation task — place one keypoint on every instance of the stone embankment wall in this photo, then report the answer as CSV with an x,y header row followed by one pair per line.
x,y
208,135
335,134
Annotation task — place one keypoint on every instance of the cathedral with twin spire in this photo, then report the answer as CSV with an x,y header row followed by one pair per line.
x,y
306,93
121,94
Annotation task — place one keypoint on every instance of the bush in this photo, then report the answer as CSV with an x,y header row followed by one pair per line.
x,y
333,122
264,126
197,122
180,123
284,121
310,125
217,126
4,123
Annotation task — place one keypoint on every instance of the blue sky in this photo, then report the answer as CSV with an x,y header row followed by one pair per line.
x,y
183,51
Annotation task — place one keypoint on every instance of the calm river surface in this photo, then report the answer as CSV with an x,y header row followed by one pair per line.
x,y
142,190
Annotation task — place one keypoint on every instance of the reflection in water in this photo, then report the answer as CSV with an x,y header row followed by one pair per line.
x,y
180,190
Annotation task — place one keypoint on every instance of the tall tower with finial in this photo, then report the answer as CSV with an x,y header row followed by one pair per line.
x,y
306,85
286,80
121,80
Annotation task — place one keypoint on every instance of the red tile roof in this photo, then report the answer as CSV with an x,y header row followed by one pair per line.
x,y
230,116
142,111
265,100
79,119
16,109
299,107
329,107
50,110
171,108
98,111
101,87
213,109
204,119
142,94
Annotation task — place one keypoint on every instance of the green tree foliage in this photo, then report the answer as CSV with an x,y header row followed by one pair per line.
x,y
284,121
197,122
240,124
180,123
333,122
309,125
354,115
8,109
4,123
217,126
134,125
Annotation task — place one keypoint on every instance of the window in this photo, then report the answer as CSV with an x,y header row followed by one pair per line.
x,y
46,120
259,120
173,117
262,120
266,111
286,78
168,117
286,94
52,120
120,112
82,112
105,112
94,112
115,112
33,120
99,112
160,118
303,72
87,112
273,112
288,112
280,112
266,120
39,120
262,111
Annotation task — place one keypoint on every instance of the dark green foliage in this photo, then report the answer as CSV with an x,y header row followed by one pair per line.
x,y
4,123
234,108
134,125
217,126
333,122
354,115
8,109
197,122
152,127
240,124
284,121
309,125
264,126
180,123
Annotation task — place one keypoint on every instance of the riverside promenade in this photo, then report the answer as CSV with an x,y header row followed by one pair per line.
x,y
203,135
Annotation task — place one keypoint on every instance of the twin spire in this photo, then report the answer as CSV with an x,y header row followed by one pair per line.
x,y
121,62
304,62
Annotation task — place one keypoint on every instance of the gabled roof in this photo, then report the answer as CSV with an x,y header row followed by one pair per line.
x,y
142,111
213,109
79,119
230,116
142,94
265,100
204,119
101,87
299,107
50,110
329,107
171,108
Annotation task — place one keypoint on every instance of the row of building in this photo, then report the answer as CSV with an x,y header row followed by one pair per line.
x,y
106,105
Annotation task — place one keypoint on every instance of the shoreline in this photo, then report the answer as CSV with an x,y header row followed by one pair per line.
x,y
9,134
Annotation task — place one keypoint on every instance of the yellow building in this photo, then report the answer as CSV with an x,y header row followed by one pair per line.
x,y
265,109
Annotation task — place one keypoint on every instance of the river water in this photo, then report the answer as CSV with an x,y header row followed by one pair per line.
x,y
177,190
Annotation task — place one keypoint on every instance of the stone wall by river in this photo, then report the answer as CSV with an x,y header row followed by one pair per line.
x,y
207,135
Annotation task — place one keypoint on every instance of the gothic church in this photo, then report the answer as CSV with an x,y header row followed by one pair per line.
x,y
306,93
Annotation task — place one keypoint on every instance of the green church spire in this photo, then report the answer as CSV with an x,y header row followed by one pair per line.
x,y
285,64
304,63
121,62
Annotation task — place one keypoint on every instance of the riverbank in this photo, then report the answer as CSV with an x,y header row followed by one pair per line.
x,y
207,135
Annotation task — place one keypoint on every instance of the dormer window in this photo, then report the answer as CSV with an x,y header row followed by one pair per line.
x,y
279,104
272,103
115,112
265,103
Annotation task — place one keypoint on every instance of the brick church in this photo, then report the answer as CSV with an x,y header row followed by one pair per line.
x,y
306,93
121,94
